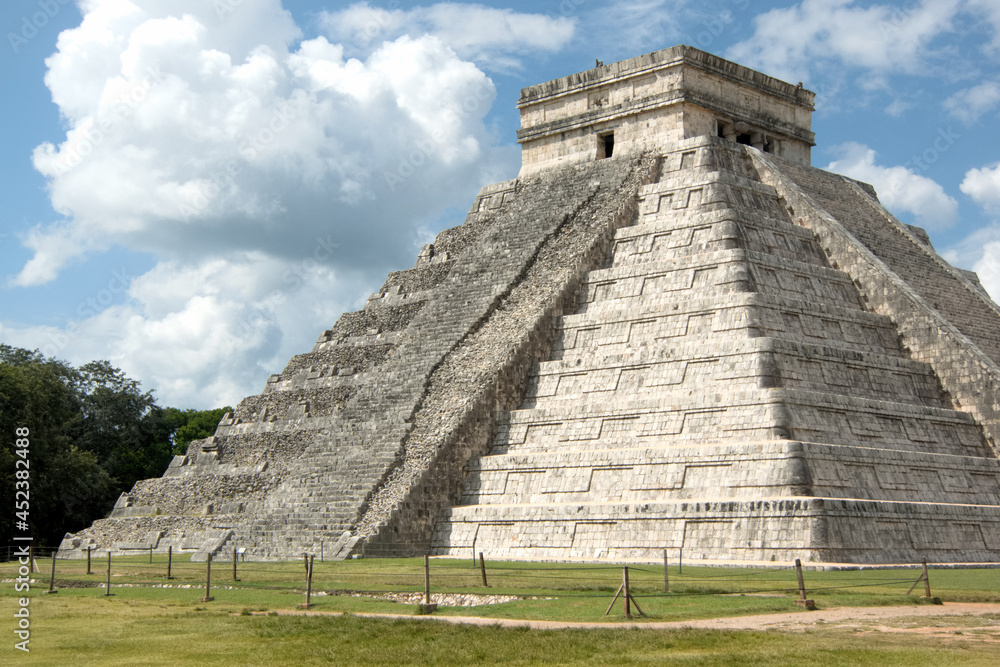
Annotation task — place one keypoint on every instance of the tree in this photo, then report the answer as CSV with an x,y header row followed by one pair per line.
x,y
191,425
93,434
66,483
121,425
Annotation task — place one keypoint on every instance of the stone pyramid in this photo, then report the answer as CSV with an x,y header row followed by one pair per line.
x,y
670,332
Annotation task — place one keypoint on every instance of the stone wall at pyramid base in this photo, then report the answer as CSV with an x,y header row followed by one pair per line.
x,y
773,530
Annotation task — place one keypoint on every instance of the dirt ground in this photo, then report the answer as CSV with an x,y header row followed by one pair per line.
x,y
958,620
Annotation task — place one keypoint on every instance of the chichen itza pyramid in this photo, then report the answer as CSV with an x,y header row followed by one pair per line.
x,y
669,332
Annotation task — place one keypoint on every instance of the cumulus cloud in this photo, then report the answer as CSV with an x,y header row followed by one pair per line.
x,y
184,140
272,179
878,37
899,188
980,252
204,333
970,104
484,34
983,185
988,268
990,11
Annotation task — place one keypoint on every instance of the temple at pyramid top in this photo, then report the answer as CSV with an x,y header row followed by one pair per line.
x,y
645,103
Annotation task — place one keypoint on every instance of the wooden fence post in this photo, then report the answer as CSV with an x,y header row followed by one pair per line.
x,y
666,576
427,607
427,579
309,581
628,595
170,560
802,601
927,597
482,568
208,578
107,591
88,559
629,600
234,565
52,577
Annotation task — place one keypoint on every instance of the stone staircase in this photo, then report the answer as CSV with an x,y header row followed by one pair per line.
x,y
720,381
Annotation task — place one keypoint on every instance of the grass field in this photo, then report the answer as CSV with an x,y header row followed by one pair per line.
x,y
150,620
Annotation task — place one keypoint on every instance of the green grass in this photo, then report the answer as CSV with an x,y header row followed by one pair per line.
x,y
553,591
148,624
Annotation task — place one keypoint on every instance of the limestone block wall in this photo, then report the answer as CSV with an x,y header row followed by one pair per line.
x,y
722,356
946,323
486,374
654,100
941,286
622,532
818,530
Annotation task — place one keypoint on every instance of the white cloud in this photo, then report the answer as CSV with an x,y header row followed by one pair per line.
x,y
205,333
989,10
493,37
180,141
898,107
988,268
880,37
980,252
970,104
983,185
899,188
630,27
234,155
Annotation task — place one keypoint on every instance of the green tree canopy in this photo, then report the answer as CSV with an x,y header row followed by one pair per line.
x,y
66,483
93,434
191,425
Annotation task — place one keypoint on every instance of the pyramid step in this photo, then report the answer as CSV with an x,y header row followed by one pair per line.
x,y
738,315
739,364
777,528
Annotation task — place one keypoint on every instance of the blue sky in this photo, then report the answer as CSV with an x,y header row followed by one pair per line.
x,y
195,190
